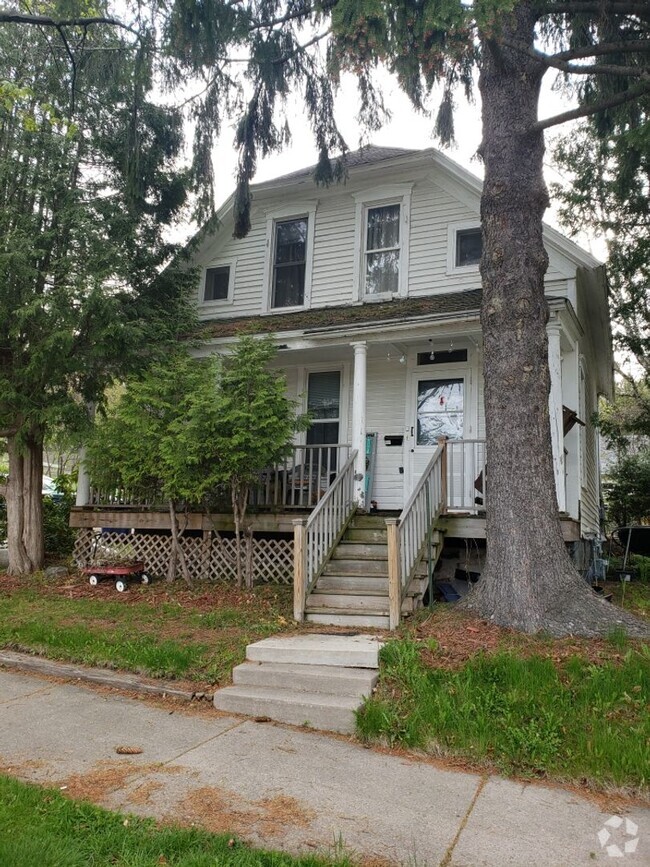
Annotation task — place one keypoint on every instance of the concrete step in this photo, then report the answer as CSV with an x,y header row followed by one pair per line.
x,y
327,712
369,551
352,602
365,534
329,679
352,651
356,567
334,617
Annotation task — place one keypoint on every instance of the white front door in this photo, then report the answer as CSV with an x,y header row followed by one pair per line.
x,y
437,408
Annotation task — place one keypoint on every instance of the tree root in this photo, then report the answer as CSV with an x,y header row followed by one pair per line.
x,y
575,611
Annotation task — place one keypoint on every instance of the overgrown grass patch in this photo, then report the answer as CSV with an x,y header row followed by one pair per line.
x,y
159,631
42,827
527,715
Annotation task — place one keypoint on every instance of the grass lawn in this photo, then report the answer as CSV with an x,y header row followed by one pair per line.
x,y
573,710
160,630
40,826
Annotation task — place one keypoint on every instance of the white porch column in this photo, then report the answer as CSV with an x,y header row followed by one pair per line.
x,y
83,482
555,412
359,421
83,479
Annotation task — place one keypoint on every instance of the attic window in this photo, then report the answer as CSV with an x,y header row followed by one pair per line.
x,y
469,246
217,283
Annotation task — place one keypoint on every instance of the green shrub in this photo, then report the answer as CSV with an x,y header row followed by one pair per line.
x,y
59,536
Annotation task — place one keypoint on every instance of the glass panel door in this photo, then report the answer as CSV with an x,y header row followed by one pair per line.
x,y
440,407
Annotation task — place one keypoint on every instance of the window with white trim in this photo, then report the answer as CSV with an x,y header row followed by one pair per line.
x,y
289,262
382,250
469,247
382,229
218,283
464,247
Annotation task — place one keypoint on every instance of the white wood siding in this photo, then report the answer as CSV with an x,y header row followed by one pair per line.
x,y
385,412
434,208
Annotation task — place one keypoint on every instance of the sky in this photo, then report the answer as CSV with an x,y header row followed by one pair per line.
x,y
406,129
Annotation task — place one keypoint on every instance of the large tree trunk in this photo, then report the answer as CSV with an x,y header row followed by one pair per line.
x,y
529,582
25,504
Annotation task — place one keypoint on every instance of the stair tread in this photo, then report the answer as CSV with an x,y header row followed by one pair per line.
x,y
287,696
366,612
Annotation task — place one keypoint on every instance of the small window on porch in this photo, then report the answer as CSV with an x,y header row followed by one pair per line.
x,y
323,405
439,410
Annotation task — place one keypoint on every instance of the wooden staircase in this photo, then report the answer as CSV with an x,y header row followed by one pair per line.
x,y
352,589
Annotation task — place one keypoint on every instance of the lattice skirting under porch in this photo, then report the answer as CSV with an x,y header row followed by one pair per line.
x,y
211,558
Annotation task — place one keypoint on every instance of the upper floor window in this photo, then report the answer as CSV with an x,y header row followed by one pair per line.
x,y
464,248
289,263
217,283
382,230
469,246
382,250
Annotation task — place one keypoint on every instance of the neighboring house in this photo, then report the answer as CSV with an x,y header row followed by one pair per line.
x,y
371,289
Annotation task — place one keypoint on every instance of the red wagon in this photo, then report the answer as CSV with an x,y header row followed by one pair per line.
x,y
121,573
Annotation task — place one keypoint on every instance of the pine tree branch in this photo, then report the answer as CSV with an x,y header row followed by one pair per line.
x,y
637,45
599,7
557,61
7,17
630,94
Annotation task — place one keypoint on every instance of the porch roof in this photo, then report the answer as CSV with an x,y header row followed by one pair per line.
x,y
325,318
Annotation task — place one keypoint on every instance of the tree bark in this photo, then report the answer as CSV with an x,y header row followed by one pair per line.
x,y
176,554
25,504
529,582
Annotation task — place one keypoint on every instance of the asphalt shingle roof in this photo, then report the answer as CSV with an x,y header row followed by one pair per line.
x,y
326,318
366,156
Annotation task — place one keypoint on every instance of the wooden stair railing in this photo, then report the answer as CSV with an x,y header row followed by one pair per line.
x,y
316,537
409,536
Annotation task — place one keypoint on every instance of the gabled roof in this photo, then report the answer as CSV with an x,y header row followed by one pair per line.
x,y
364,156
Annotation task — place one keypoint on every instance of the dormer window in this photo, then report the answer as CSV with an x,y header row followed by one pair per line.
x,y
289,263
469,247
382,250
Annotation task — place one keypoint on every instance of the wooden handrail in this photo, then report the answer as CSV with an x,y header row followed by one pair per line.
x,y
408,534
316,537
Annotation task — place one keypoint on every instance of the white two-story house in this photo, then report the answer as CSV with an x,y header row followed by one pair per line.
x,y
372,291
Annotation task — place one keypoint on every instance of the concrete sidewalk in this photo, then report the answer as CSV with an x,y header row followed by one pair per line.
x,y
299,791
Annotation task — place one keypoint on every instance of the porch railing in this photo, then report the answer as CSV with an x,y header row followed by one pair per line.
x,y
316,537
410,535
465,475
298,482
302,479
